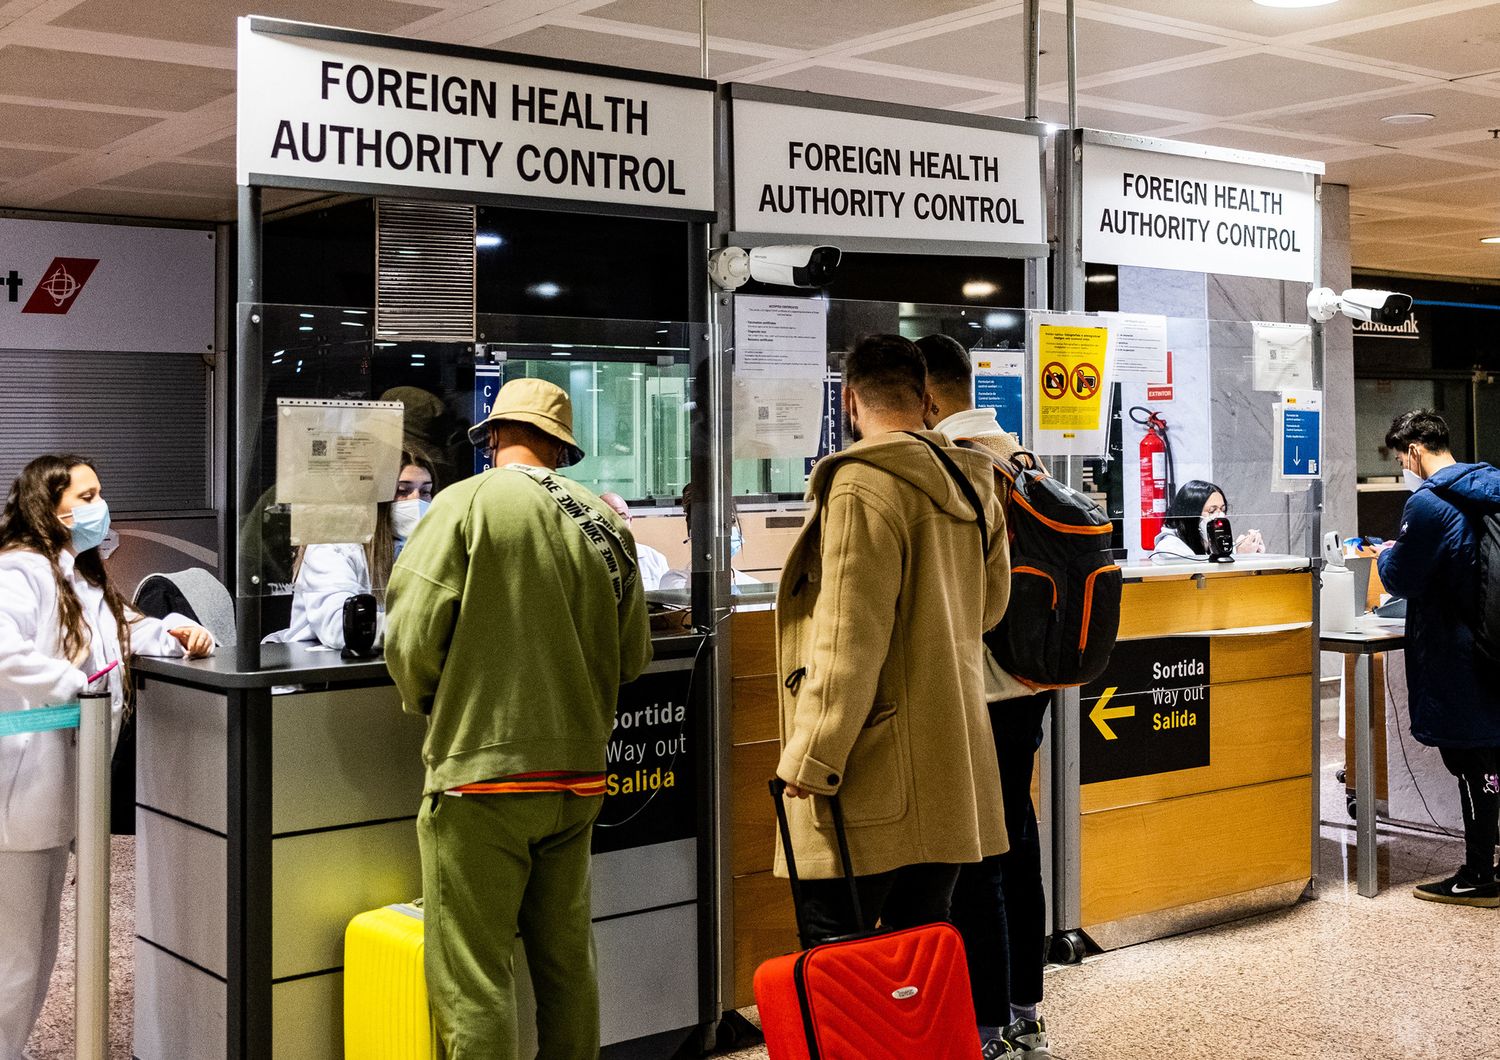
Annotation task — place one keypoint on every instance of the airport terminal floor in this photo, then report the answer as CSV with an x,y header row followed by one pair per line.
x,y
1340,978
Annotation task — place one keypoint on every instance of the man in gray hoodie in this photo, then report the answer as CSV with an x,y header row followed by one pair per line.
x,y
999,905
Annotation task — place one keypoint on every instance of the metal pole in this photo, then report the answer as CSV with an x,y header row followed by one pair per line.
x,y
1072,67
703,38
91,982
244,430
1033,56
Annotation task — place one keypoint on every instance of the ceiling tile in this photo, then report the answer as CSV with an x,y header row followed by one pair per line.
x,y
1056,112
59,127
1245,17
1415,228
1397,167
559,42
212,21
1263,142
179,176
140,204
1478,265
802,26
1455,111
1465,194
1455,45
20,162
1484,148
1239,86
869,86
220,151
994,50
40,73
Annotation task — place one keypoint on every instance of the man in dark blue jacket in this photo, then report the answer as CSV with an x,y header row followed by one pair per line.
x,y
1434,564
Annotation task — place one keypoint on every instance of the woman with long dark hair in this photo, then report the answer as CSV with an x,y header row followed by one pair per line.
x,y
61,620
324,576
1195,504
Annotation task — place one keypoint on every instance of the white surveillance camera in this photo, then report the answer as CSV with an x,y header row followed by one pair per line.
x,y
1358,303
786,266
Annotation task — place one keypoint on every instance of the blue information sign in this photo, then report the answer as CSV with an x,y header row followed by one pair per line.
x,y
1301,442
1003,394
486,386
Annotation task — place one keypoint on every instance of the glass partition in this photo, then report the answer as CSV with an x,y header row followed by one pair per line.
x,y
629,381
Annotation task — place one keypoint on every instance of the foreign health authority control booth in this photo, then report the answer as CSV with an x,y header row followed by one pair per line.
x,y
279,783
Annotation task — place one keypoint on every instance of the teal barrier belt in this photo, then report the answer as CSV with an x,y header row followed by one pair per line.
x,y
44,719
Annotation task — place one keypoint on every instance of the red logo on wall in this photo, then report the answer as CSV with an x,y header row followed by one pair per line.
x,y
60,285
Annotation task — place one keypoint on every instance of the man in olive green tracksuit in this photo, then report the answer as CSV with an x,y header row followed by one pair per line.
x,y
513,616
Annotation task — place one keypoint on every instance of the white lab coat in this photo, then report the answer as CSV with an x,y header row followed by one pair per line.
x,y
1169,543
37,770
329,575
652,564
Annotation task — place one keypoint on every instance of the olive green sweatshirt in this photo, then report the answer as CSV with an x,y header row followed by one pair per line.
x,y
503,628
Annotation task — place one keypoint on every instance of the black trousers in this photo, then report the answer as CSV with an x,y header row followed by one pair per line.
x,y
902,898
999,905
1478,773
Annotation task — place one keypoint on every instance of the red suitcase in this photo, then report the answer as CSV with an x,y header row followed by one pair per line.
x,y
893,995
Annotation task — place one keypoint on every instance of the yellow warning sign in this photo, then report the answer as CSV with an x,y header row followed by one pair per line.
x,y
1071,361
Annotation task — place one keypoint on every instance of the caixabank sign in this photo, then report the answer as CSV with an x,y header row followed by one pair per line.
x,y
67,286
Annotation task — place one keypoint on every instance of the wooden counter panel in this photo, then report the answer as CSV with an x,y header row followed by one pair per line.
x,y
1142,859
752,816
752,647
765,926
1259,731
1251,658
756,706
1157,607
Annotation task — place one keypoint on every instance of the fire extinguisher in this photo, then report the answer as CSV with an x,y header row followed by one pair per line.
x,y
1157,474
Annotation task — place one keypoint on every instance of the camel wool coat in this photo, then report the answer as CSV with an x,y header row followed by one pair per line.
x,y
879,617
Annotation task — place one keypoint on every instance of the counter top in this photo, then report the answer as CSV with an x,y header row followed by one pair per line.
x,y
1257,563
307,664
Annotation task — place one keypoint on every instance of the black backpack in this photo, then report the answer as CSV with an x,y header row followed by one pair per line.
x,y
1486,619
1064,612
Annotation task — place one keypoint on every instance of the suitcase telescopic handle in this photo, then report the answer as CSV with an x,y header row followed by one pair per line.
x,y
841,836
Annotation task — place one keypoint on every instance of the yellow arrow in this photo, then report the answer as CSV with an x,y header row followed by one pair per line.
x,y
1101,715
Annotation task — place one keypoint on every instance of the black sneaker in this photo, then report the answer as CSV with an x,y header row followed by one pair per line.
x,y
1029,1039
1461,889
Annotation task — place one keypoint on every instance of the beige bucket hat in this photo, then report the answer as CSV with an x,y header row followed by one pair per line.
x,y
545,406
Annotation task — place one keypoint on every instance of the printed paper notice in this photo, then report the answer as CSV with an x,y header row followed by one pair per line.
x,y
1283,356
776,418
332,524
780,338
999,377
1140,347
1071,380
337,452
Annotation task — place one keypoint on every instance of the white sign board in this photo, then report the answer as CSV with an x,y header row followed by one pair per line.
x,y
67,286
1168,211
325,110
809,171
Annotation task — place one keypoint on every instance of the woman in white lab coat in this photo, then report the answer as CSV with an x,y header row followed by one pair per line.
x,y
1195,504
60,622
327,575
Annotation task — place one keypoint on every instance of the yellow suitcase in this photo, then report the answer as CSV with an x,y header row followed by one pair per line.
x,y
386,1014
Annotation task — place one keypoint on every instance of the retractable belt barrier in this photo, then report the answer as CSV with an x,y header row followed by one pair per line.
x,y
91,717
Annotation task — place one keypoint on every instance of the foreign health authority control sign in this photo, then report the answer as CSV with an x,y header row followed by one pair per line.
x,y
1165,210
336,108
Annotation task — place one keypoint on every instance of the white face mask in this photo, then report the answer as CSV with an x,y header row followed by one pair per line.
x,y
1411,479
405,515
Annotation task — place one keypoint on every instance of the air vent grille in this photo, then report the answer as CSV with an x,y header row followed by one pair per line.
x,y
424,268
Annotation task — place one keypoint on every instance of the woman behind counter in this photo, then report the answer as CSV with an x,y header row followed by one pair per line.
x,y
1195,504
326,575
60,620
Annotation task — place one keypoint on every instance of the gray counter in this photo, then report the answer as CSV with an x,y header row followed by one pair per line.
x,y
267,819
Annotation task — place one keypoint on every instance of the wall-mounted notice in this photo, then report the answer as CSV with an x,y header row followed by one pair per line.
x,y
1174,211
780,362
804,170
1299,434
999,376
337,452
66,286
1071,383
344,108
1149,713
1140,348
1283,356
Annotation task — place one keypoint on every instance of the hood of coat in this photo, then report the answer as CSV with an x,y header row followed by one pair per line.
x,y
913,461
1475,485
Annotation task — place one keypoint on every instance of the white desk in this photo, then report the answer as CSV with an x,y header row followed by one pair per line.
x,y
1371,637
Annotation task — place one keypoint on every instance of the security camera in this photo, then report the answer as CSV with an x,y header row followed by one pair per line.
x,y
786,266
1370,306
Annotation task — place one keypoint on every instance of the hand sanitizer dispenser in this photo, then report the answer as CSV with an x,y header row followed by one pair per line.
x,y
1336,599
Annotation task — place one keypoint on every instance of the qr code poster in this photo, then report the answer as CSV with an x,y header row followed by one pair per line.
x,y
337,452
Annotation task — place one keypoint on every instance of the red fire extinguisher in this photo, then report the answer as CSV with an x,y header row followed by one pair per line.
x,y
1156,474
